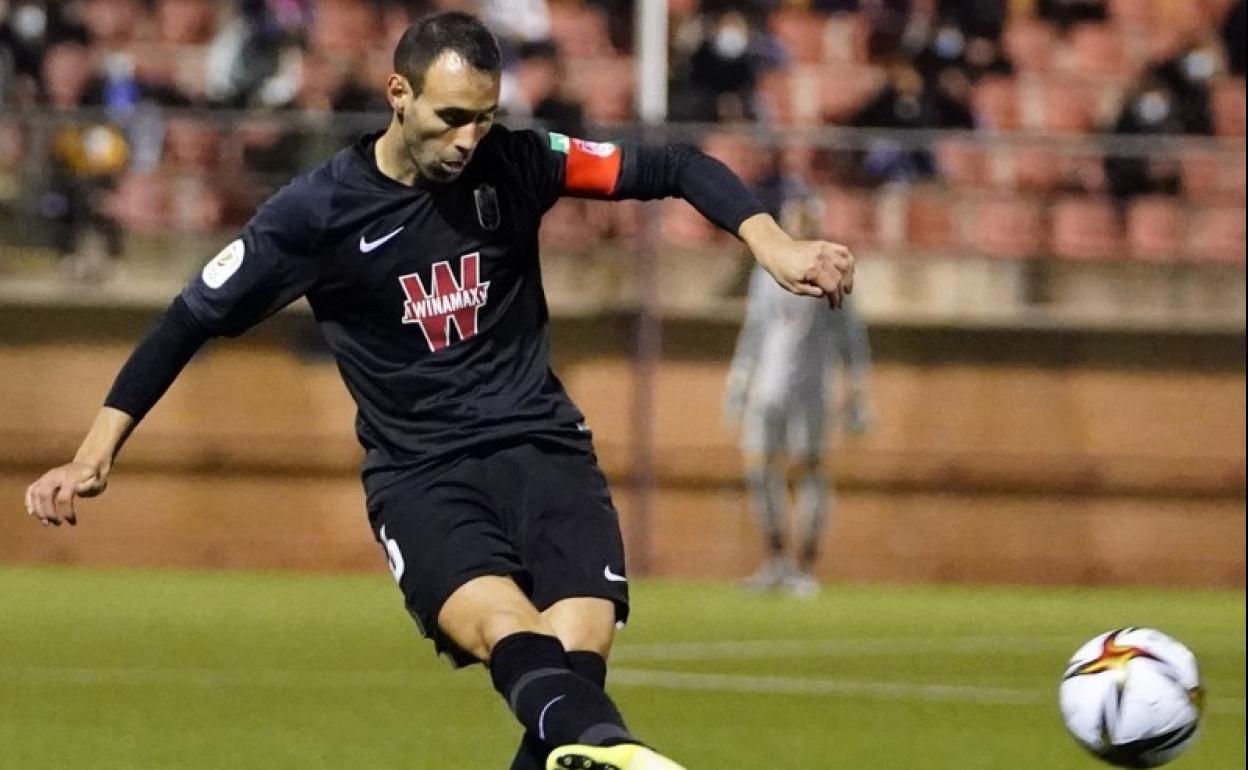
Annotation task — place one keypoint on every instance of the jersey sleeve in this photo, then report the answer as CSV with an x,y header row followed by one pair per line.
x,y
271,264
556,165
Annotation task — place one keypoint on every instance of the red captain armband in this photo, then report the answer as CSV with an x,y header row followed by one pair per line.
x,y
592,169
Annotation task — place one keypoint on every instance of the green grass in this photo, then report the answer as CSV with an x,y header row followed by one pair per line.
x,y
128,669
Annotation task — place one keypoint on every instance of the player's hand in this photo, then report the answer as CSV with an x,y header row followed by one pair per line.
x,y
811,268
51,498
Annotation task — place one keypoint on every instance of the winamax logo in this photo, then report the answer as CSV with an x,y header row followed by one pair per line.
x,y
447,302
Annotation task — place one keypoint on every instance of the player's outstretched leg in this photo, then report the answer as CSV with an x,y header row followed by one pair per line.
x,y
532,752
623,757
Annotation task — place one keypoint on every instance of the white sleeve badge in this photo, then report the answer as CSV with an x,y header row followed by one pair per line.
x,y
224,265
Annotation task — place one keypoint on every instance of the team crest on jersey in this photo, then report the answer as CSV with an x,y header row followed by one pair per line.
x,y
488,213
447,301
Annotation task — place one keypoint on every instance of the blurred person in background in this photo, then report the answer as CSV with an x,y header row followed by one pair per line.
x,y
255,59
1067,13
536,90
515,23
1234,30
417,248
27,30
1172,98
908,101
88,158
784,371
718,80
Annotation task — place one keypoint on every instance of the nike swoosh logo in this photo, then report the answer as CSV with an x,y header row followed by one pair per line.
x,y
611,576
541,719
367,245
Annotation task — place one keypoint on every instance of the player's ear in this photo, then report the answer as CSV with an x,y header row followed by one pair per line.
x,y
399,94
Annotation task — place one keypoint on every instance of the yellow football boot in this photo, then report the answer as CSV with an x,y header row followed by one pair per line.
x,y
626,756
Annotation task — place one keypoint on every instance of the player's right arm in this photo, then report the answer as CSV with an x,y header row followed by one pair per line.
x,y
265,269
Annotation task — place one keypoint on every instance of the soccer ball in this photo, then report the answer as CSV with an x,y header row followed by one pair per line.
x,y
1132,697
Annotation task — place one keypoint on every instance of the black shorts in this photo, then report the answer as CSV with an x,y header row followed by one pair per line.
x,y
537,511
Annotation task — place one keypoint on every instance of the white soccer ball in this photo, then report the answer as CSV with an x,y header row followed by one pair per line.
x,y
1132,697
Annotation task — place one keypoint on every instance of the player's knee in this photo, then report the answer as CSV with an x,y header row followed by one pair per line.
x,y
500,624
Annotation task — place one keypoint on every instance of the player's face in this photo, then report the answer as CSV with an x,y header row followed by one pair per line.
x,y
452,114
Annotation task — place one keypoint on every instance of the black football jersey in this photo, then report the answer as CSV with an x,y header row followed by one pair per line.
x,y
429,296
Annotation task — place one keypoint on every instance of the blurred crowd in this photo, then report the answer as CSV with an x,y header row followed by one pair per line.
x,y
112,78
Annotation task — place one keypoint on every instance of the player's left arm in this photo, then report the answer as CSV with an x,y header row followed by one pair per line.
x,y
634,171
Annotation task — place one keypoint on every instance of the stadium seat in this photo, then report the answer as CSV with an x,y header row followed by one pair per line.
x,y
580,30
931,223
845,38
1035,167
1155,226
840,89
800,32
683,227
605,87
996,104
1228,102
1058,105
1216,234
849,217
140,203
192,145
1213,176
112,23
342,27
1100,50
1133,13
1030,44
185,22
1007,227
1086,228
961,162
564,228
739,152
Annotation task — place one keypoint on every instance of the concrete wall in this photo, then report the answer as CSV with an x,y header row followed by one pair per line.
x,y
975,471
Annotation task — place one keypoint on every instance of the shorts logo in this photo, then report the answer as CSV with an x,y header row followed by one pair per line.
x,y
612,576
447,302
224,265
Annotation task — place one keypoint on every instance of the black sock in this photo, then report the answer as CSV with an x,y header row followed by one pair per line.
x,y
532,753
552,701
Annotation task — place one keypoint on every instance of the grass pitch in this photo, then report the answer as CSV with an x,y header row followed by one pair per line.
x,y
144,670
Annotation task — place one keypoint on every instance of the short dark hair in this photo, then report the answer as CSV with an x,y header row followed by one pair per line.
x,y
429,38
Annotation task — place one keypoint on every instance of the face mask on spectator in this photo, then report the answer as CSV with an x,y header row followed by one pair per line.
x,y
731,41
1199,66
30,22
1153,107
949,43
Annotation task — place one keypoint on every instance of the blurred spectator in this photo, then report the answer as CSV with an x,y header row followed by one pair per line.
x,y
255,58
515,23
27,30
966,36
536,90
1188,77
1234,30
87,159
1154,108
719,80
906,101
1067,13
619,15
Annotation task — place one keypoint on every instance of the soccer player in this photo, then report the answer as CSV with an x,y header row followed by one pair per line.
x,y
787,353
417,250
